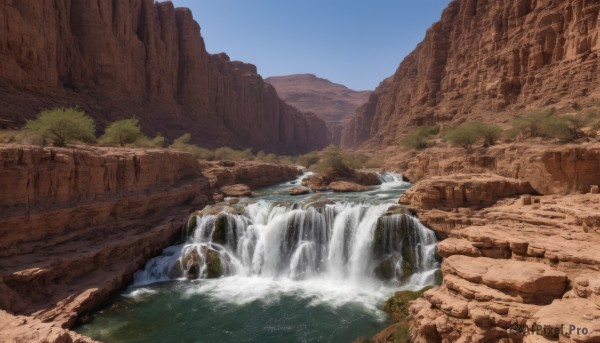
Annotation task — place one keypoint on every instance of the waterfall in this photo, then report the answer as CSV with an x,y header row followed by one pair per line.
x,y
353,242
388,177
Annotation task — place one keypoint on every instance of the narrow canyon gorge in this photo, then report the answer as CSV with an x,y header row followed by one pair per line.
x,y
493,242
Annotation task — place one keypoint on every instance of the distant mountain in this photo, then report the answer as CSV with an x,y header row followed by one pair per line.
x,y
332,102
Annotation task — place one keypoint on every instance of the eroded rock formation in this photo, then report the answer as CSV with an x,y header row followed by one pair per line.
x,y
117,59
513,260
486,57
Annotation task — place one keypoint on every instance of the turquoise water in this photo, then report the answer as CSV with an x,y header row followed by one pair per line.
x,y
321,289
168,312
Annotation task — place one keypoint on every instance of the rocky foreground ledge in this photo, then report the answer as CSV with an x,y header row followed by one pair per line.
x,y
75,224
520,236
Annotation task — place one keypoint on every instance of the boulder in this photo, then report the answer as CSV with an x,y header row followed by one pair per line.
x,y
345,186
237,190
298,191
463,190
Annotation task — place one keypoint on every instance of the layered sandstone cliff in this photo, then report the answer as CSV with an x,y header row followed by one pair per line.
x,y
116,59
75,224
514,260
332,102
486,57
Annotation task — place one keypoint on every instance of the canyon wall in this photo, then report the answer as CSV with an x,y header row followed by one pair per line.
x,y
332,102
116,59
519,226
486,60
75,224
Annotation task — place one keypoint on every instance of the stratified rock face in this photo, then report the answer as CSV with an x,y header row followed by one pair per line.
x,y
332,102
484,57
137,57
75,224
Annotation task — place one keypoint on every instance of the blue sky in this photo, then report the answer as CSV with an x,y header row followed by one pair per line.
x,y
357,43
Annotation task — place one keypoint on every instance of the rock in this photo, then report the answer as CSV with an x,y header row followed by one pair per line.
x,y
577,318
462,190
475,64
237,190
298,191
345,186
191,264
322,181
595,190
214,268
155,64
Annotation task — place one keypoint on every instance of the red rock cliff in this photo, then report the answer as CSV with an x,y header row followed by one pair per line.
x,y
485,57
119,58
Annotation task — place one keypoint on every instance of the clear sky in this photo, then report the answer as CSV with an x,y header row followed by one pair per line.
x,y
357,43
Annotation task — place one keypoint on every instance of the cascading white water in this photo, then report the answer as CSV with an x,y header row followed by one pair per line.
x,y
350,242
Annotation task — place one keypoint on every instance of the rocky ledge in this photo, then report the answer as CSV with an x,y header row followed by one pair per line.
x,y
519,229
341,181
76,223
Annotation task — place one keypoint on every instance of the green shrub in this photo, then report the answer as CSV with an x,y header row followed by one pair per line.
x,y
121,132
490,133
288,160
333,158
577,122
355,161
267,158
182,144
63,125
309,159
418,139
227,153
158,141
464,136
533,122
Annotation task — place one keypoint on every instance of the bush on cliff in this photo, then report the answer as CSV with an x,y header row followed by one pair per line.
x,y
333,158
532,122
546,124
158,141
490,133
308,160
267,158
121,132
63,125
419,139
227,153
183,144
464,136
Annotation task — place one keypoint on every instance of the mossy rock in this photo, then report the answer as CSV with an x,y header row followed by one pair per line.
x,y
214,268
386,269
190,226
397,305
219,234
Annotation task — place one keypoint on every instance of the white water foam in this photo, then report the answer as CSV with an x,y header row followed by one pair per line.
x,y
325,254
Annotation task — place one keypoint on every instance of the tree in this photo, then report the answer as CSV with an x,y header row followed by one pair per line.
x,y
533,121
418,138
489,132
463,136
121,132
63,125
